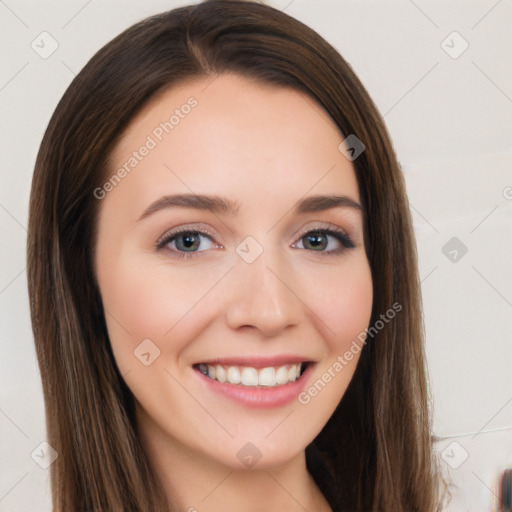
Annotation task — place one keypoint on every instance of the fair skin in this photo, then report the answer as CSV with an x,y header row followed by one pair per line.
x,y
305,297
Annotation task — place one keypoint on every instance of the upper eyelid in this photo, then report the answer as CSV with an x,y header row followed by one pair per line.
x,y
319,226
183,229
323,227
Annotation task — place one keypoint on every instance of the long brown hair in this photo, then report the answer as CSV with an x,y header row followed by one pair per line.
x,y
375,453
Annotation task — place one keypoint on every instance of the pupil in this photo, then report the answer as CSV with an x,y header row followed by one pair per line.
x,y
316,240
189,241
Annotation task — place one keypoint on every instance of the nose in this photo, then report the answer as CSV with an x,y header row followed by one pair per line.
x,y
261,296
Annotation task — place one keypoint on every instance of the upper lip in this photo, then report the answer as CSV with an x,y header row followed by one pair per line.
x,y
256,362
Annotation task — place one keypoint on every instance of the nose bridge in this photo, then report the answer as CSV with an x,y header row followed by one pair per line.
x,y
261,293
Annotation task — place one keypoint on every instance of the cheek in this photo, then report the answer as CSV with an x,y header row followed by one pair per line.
x,y
341,303
342,300
353,307
154,302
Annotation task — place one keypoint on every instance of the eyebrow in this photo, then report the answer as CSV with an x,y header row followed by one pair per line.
x,y
223,205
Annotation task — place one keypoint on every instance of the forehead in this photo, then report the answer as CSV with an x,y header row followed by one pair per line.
x,y
231,133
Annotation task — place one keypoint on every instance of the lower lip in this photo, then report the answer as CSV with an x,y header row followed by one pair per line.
x,y
263,398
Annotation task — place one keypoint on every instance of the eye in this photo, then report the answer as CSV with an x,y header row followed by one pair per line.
x,y
326,240
185,243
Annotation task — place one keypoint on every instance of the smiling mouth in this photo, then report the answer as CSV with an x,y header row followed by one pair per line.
x,y
248,376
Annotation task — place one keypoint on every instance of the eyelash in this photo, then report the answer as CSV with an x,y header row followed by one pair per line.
x,y
338,234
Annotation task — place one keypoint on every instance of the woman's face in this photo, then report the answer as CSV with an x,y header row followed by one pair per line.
x,y
208,275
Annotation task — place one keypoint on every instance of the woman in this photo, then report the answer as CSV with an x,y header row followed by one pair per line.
x,y
223,278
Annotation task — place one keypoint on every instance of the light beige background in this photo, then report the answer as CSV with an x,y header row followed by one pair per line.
x,y
451,124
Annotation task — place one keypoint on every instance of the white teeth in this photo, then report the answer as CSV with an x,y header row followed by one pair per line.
x,y
267,377
249,377
233,375
252,377
220,373
282,375
293,373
